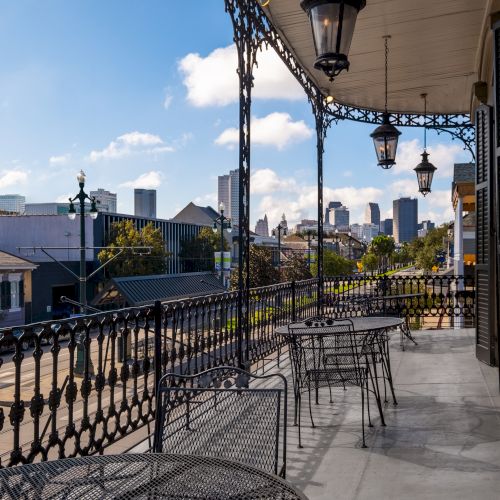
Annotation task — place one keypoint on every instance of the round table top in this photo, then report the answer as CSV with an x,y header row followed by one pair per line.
x,y
142,476
360,324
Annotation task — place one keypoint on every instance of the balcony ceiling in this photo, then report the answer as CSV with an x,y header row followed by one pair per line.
x,y
435,48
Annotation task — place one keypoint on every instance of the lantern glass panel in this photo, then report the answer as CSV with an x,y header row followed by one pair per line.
x,y
386,147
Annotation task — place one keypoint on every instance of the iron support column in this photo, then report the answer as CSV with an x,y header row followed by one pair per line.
x,y
242,13
323,122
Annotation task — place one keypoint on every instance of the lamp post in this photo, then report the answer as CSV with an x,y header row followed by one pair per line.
x,y
349,234
224,223
310,238
81,197
281,229
336,239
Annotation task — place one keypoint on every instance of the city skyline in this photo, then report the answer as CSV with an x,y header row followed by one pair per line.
x,y
172,126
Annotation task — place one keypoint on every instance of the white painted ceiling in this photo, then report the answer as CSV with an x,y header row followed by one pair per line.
x,y
434,49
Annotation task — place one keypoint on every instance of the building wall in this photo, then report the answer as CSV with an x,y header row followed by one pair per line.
x,y
223,191
12,203
145,203
372,214
106,201
340,218
234,195
405,212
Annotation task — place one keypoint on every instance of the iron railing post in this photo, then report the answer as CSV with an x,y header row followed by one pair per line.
x,y
157,344
294,306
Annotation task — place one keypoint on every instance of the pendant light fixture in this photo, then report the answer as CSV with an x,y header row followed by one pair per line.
x,y
385,137
332,24
425,170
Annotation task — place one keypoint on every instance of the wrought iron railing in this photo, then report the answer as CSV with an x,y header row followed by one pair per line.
x,y
76,386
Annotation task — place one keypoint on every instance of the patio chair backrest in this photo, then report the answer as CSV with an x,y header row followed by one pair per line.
x,y
224,412
328,352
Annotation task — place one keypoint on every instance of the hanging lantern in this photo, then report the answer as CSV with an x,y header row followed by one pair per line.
x,y
425,170
385,137
332,23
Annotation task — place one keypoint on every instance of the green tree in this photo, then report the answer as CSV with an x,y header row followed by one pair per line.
x,y
382,247
134,262
295,268
425,250
333,264
197,254
369,261
262,270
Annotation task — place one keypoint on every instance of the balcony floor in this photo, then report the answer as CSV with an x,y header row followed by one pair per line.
x,y
441,442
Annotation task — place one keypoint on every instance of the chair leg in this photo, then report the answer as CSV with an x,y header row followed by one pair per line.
x,y
368,407
363,414
299,406
310,405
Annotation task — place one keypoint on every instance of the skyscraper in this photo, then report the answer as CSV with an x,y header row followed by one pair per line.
x,y
386,227
372,214
145,203
106,201
331,205
405,219
228,193
262,227
12,203
340,218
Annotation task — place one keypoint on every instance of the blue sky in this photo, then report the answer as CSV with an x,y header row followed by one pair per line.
x,y
144,94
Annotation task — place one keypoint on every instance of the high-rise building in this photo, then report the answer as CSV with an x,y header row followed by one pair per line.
x,y
12,203
331,205
106,201
228,193
369,231
145,203
372,214
424,227
386,227
357,231
405,212
340,218
262,227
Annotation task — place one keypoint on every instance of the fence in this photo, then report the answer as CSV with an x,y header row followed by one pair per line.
x,y
74,387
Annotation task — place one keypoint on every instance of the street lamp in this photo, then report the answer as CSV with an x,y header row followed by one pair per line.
x,y
332,24
81,197
337,239
310,238
224,223
281,229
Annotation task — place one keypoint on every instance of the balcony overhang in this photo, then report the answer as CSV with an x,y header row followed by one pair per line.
x,y
435,48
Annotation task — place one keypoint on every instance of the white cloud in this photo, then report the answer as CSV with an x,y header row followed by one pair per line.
x,y
149,180
442,156
60,160
167,101
213,81
131,143
266,181
275,129
207,199
63,198
301,201
12,178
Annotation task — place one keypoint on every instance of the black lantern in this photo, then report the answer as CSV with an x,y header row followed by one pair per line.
x,y
332,23
385,137
425,170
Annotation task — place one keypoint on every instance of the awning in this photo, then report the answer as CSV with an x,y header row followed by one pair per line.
x,y
435,48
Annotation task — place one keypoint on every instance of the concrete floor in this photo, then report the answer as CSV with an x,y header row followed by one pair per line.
x,y
441,442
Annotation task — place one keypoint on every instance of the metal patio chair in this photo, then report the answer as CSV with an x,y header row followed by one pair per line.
x,y
224,412
328,353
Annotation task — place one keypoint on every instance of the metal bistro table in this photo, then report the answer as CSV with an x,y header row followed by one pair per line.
x,y
361,324
142,476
